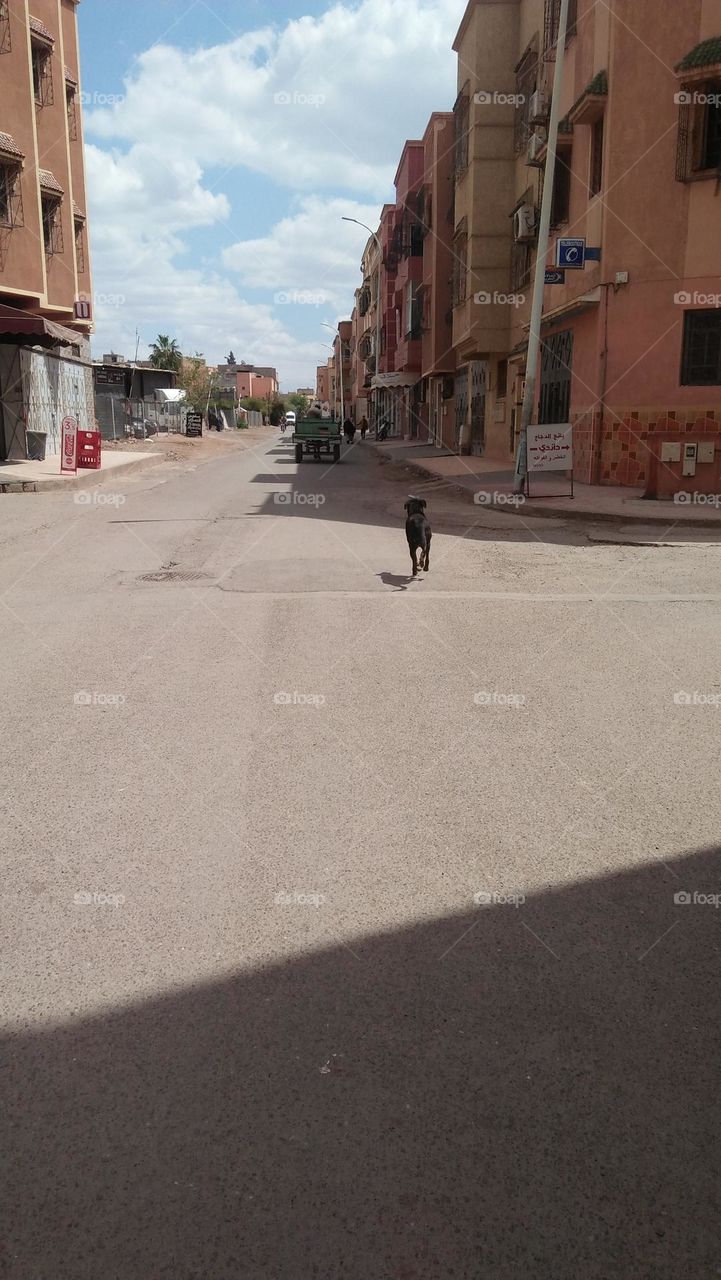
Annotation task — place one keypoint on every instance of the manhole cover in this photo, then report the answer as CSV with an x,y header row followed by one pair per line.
x,y
173,575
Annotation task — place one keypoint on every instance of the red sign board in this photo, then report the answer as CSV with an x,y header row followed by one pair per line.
x,y
69,445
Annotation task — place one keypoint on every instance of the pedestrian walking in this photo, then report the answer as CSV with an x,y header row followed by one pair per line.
x,y
363,427
349,430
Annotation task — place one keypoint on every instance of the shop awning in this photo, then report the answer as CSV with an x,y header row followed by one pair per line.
x,y
46,333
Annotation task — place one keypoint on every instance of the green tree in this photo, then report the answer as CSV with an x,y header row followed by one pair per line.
x,y
301,404
165,353
277,409
194,379
254,403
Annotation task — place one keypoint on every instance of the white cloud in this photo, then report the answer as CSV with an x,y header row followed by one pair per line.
x,y
374,72
310,252
160,157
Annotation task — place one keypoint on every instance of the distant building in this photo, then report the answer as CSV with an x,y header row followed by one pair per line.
x,y
256,380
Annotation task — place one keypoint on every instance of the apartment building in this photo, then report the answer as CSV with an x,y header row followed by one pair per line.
x,y
322,385
436,213
631,342
341,385
45,281
365,330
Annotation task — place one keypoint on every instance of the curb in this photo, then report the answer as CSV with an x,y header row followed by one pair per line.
x,y
84,480
545,510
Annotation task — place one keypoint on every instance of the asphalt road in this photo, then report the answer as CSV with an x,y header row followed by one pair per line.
x,y
339,929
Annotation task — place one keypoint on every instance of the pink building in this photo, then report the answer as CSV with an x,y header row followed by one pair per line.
x,y
252,380
438,359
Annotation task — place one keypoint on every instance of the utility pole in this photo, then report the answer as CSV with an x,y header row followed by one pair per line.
x,y
534,336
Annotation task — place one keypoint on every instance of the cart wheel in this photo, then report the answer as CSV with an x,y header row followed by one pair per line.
x,y
336,453
299,453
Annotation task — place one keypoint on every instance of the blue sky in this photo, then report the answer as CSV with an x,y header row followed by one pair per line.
x,y
226,140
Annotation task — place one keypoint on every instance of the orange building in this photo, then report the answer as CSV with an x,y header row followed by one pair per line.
x,y
631,343
45,282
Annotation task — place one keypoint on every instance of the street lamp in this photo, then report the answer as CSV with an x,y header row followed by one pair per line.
x,y
340,353
378,304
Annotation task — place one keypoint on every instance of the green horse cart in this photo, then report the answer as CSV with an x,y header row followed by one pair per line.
x,y
319,436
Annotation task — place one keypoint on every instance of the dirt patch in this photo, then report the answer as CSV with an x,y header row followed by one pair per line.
x,y
177,448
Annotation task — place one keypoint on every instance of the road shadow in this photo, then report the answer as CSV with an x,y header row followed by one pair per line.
x,y
516,1091
399,581
355,494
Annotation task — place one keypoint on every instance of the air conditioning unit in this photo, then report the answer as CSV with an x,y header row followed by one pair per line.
x,y
524,224
536,145
539,107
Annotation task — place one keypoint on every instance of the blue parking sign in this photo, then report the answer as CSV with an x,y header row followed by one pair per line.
x,y
571,254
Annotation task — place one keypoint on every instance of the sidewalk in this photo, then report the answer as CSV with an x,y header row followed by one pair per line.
x,y
493,485
41,477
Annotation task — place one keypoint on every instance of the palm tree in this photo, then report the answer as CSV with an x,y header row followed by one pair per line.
x,y
165,353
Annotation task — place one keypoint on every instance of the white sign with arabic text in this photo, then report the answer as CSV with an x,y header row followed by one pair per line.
x,y
550,447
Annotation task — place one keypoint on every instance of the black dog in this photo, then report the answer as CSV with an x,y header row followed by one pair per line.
x,y
418,533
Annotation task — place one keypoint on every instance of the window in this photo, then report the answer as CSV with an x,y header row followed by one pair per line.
x,y
460,270
551,22
461,125
52,225
5,41
701,357
561,204
556,353
10,201
80,248
699,132
71,102
413,312
711,144
596,175
520,265
42,74
501,379
526,85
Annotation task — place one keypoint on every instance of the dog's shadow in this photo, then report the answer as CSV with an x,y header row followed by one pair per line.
x,y
395,580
